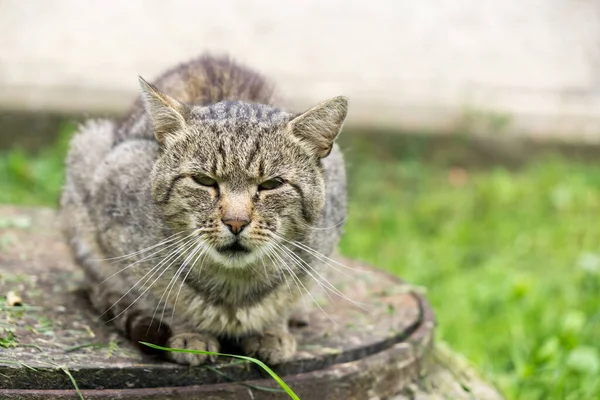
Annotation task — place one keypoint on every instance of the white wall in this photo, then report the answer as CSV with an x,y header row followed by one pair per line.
x,y
407,63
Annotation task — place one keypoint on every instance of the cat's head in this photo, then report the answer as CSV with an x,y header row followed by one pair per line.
x,y
243,178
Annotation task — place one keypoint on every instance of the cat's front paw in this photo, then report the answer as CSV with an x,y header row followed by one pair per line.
x,y
272,347
192,341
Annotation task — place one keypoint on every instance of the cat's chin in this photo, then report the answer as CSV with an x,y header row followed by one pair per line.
x,y
234,256
234,249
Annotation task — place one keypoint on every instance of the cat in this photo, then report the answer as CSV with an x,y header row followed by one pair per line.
x,y
204,214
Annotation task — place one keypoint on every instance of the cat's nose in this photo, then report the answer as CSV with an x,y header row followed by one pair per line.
x,y
236,225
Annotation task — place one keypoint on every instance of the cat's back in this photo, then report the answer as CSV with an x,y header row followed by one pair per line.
x,y
202,81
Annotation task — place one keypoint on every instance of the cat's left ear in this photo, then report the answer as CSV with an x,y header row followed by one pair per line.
x,y
168,114
319,126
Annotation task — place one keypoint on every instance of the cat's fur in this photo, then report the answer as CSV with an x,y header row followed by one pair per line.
x,y
135,183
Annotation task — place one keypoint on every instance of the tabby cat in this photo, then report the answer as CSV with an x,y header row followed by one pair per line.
x,y
201,216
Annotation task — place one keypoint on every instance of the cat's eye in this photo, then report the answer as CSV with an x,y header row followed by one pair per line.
x,y
204,180
271,184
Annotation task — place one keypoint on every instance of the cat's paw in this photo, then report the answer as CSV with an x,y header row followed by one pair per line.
x,y
272,347
192,341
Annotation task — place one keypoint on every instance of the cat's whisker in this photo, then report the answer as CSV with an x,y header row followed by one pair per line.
x,y
323,228
285,278
135,253
322,257
202,253
328,285
264,266
194,246
173,281
299,265
196,251
273,256
148,257
253,269
293,274
146,289
174,254
182,251
130,289
174,241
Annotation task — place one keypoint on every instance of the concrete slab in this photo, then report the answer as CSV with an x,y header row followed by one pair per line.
x,y
517,66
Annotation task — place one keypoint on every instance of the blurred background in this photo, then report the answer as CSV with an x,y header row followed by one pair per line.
x,y
472,144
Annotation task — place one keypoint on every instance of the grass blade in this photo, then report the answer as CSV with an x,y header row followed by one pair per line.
x,y
66,371
261,364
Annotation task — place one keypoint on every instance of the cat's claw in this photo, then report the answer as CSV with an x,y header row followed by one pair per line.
x,y
272,347
192,341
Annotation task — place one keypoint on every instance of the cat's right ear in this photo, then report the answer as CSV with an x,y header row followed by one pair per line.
x,y
168,115
318,127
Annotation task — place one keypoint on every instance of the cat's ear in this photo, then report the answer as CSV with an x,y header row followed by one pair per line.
x,y
168,115
319,126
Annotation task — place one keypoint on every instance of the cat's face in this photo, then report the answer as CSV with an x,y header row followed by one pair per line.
x,y
243,178
244,187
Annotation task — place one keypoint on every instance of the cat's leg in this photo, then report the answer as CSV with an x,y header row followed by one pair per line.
x,y
273,346
136,318
190,340
139,324
106,292
134,321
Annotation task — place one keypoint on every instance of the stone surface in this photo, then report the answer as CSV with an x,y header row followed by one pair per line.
x,y
522,66
449,377
345,351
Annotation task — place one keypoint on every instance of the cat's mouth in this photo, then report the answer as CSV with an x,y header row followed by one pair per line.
x,y
234,249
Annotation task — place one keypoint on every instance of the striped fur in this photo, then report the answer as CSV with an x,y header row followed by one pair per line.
x,y
137,184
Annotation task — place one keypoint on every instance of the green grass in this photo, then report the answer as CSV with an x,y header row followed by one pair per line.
x,y
34,180
510,259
